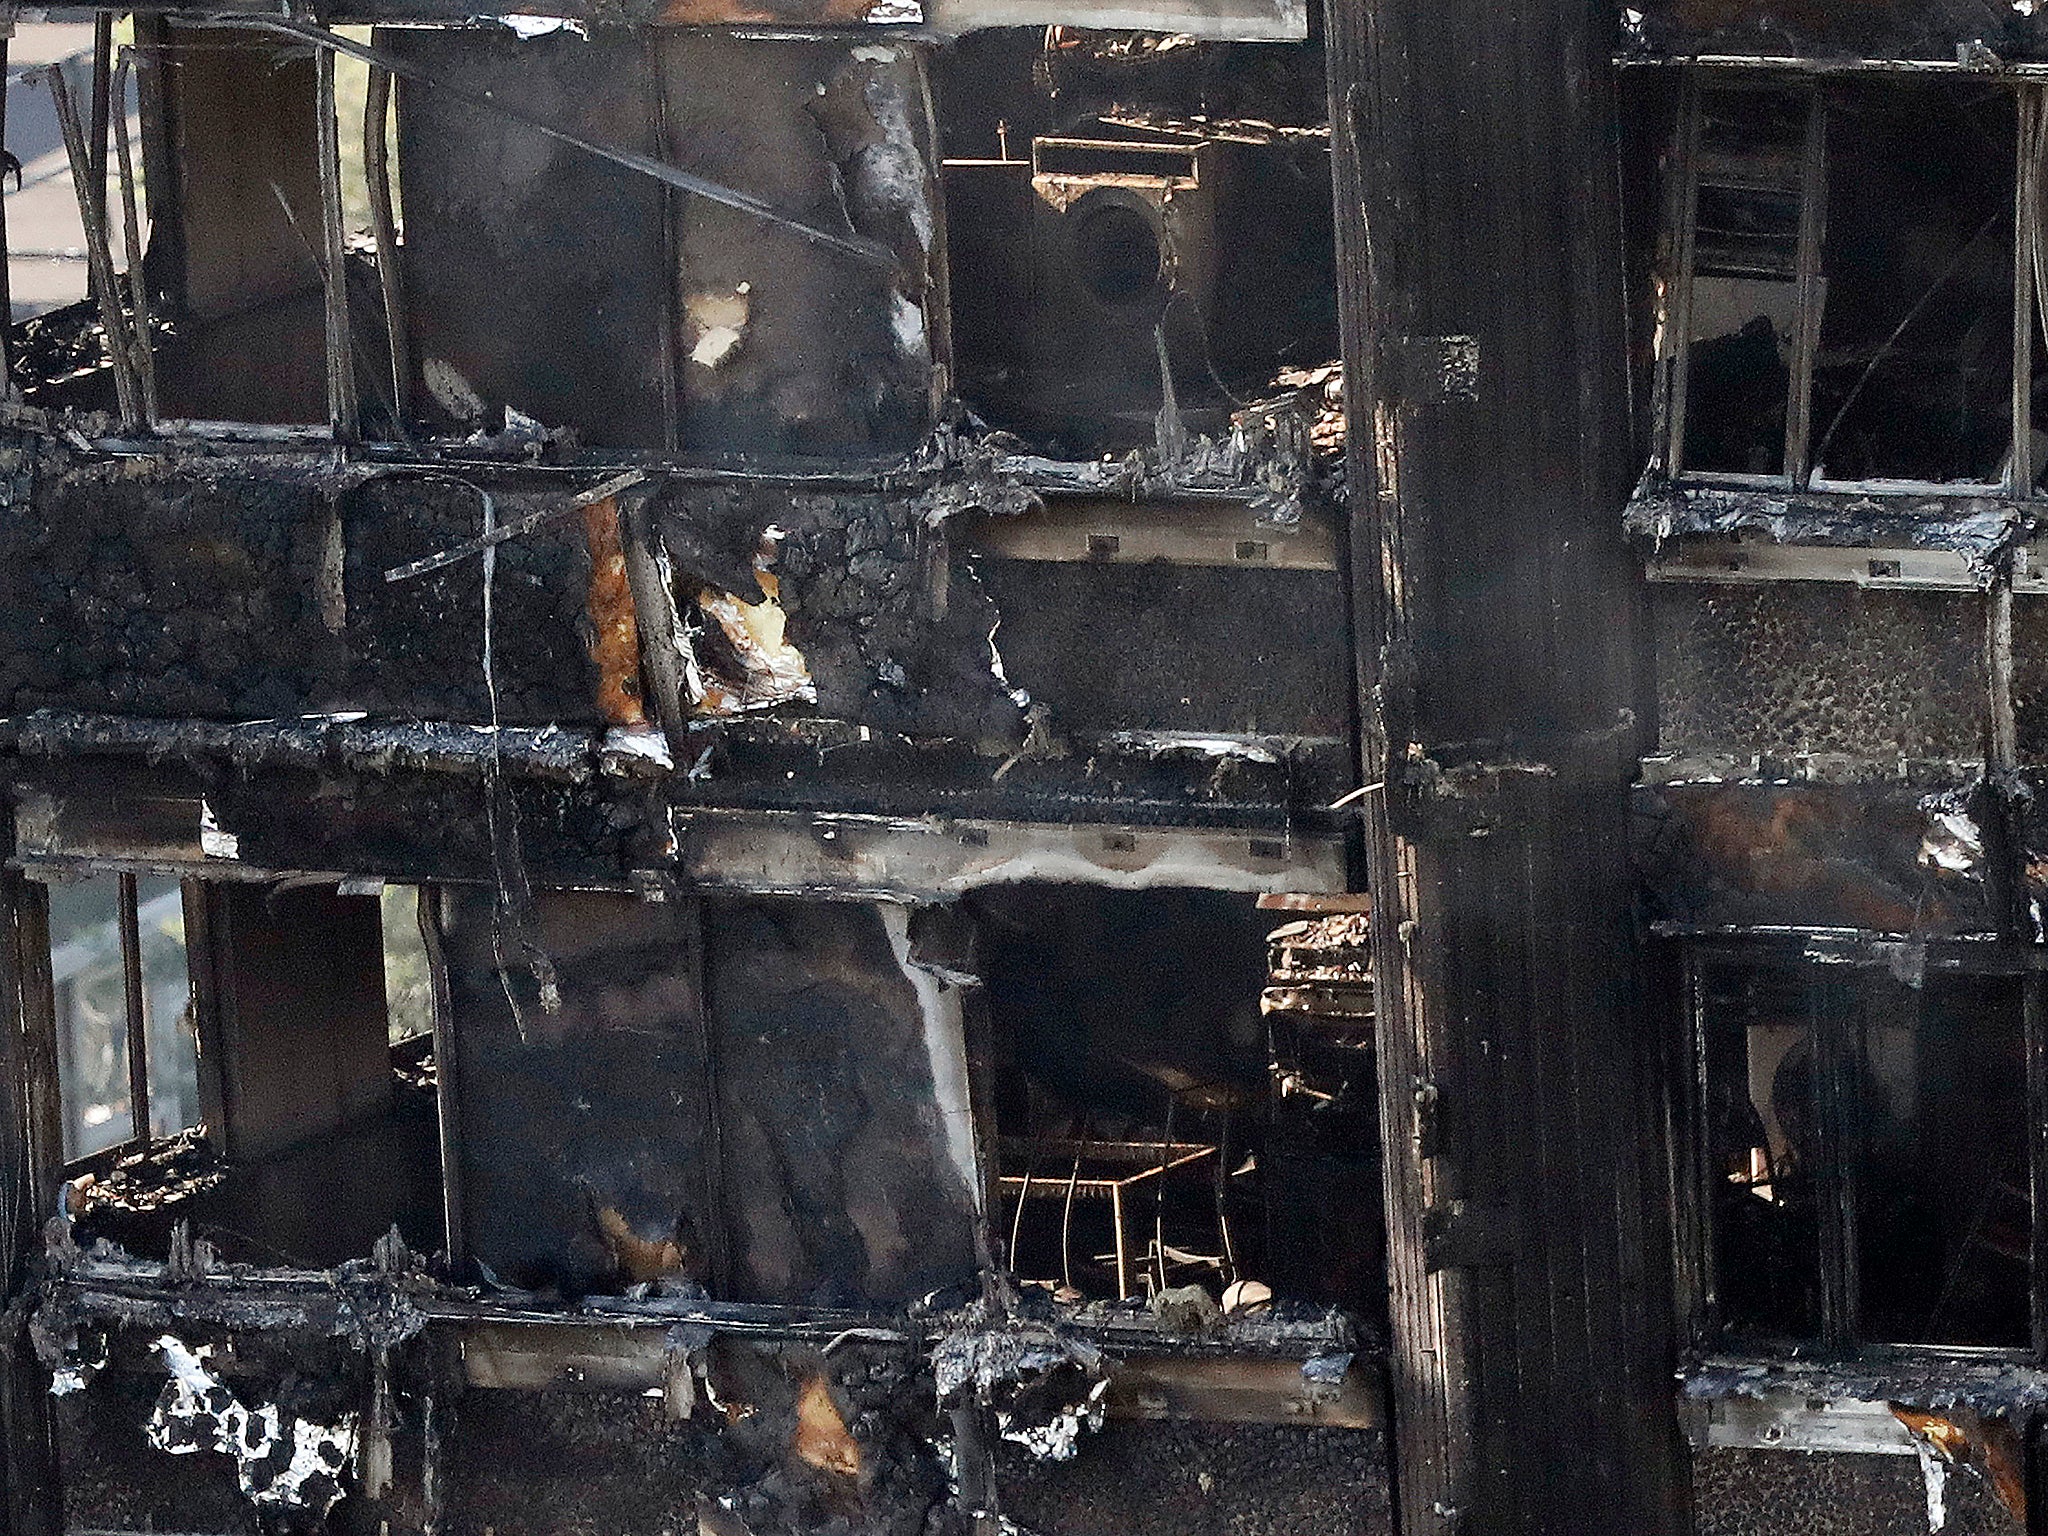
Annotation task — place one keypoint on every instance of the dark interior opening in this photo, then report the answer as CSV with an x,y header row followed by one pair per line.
x,y
1159,1123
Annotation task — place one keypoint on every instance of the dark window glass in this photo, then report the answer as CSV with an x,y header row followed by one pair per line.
x,y
1914,375
1745,294
1763,1151
1849,1112
1943,1213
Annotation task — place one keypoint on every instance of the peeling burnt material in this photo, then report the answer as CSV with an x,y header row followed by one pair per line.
x,y
1978,527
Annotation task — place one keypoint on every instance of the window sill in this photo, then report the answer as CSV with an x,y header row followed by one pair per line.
x,y
1753,1402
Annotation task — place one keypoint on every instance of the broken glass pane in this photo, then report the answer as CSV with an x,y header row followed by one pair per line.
x,y
167,1006
90,991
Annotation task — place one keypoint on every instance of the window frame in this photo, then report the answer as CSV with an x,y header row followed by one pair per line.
x,y
135,1035
1805,955
1678,268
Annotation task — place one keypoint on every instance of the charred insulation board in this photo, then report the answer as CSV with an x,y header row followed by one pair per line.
x,y
1875,857
1176,647
1203,1480
166,592
1762,1493
1788,669
416,647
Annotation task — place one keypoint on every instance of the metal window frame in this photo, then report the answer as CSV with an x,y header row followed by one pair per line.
x,y
1682,217
135,1034
1836,1045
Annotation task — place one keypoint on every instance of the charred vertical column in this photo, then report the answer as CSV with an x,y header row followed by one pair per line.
x,y
1480,267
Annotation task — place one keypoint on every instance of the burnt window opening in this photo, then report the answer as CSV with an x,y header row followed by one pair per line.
x,y
127,1042
1841,307
224,224
1133,226
1172,1106
1864,1168
287,1128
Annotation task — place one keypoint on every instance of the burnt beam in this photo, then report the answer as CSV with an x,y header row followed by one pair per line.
x,y
1497,630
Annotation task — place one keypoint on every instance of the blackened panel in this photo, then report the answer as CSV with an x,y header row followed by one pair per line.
x,y
1769,1493
178,594
1813,855
789,346
532,269
1174,1479
1870,29
416,646
1813,667
1188,648
582,1130
842,1183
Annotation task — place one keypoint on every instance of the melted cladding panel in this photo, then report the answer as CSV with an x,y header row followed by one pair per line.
x,y
1812,855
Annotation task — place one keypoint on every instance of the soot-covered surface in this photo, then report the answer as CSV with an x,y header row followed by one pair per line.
x,y
1771,1493
1809,667
1185,1479
840,1186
